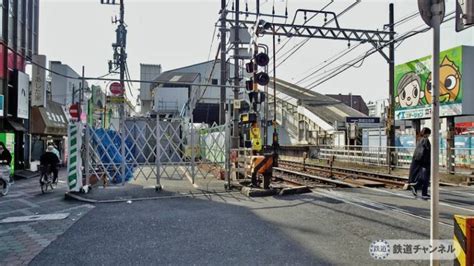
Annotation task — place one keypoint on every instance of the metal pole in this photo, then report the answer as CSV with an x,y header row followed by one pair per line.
x,y
391,80
122,83
193,144
450,145
87,135
158,154
223,64
275,133
235,124
434,232
227,146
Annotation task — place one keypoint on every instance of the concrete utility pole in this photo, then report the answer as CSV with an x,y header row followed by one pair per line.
x,y
223,63
235,124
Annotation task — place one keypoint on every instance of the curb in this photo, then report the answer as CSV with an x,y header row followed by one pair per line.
x,y
77,197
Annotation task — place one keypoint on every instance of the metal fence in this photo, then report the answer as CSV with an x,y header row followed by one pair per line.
x,y
463,157
153,148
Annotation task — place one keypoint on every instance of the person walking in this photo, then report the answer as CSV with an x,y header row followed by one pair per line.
x,y
419,175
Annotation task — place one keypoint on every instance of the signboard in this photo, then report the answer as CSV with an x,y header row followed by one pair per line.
x,y
464,14
2,106
115,99
38,82
23,95
363,120
74,111
413,95
116,88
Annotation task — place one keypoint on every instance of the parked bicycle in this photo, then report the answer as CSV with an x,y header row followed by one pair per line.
x,y
47,178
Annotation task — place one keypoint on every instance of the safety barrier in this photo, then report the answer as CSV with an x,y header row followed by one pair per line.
x,y
464,240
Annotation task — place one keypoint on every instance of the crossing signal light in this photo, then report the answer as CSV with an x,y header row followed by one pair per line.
x,y
249,85
262,59
262,78
249,67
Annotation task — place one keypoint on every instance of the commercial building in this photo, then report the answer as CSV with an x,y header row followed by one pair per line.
x,y
18,43
353,101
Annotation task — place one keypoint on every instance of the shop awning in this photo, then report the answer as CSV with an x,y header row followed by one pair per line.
x,y
16,126
49,120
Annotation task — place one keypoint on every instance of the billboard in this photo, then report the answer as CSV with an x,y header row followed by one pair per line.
x,y
38,83
413,93
23,95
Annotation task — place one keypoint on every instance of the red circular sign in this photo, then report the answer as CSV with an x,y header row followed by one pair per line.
x,y
116,88
74,111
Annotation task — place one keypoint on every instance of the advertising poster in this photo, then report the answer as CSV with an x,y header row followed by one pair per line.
x,y
413,95
23,95
1,105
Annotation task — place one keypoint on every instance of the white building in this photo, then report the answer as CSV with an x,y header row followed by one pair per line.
x,y
378,108
64,84
148,72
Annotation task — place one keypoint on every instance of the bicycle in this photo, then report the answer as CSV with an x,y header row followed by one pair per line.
x,y
5,180
46,179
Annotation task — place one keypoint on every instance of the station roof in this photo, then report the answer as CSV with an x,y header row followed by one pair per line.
x,y
173,77
325,107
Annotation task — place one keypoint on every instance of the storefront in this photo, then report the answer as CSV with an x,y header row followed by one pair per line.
x,y
48,125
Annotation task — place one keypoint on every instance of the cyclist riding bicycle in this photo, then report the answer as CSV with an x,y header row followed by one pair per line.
x,y
50,159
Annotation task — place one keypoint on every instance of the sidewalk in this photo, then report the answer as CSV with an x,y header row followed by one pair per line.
x,y
20,242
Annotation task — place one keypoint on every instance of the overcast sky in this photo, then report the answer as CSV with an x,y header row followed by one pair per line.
x,y
176,33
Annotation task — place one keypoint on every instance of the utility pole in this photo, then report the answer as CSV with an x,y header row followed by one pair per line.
x,y
223,64
121,36
391,81
437,11
235,124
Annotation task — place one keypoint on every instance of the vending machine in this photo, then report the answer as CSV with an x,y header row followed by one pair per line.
x,y
9,140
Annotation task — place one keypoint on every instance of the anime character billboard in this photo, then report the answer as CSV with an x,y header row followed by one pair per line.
x,y
413,92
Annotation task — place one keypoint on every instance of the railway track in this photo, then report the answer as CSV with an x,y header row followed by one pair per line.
x,y
296,172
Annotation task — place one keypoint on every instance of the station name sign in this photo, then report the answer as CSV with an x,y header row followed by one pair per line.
x,y
363,120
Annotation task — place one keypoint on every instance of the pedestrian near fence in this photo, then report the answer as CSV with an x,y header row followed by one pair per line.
x,y
419,175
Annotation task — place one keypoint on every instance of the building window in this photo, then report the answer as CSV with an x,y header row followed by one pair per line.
x,y
21,26
1,19
11,22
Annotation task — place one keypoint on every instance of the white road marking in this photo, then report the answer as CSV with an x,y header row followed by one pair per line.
x,y
34,218
411,197
383,208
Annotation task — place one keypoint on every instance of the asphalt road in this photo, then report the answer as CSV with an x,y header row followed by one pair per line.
x,y
316,228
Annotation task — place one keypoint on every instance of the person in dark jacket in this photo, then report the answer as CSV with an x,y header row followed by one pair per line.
x,y
5,155
50,159
419,175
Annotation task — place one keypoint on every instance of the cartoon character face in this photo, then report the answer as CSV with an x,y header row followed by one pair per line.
x,y
409,90
450,83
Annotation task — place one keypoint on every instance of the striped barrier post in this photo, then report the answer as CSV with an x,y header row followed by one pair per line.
x,y
464,240
74,173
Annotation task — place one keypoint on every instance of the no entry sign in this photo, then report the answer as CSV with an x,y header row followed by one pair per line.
x,y
116,88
